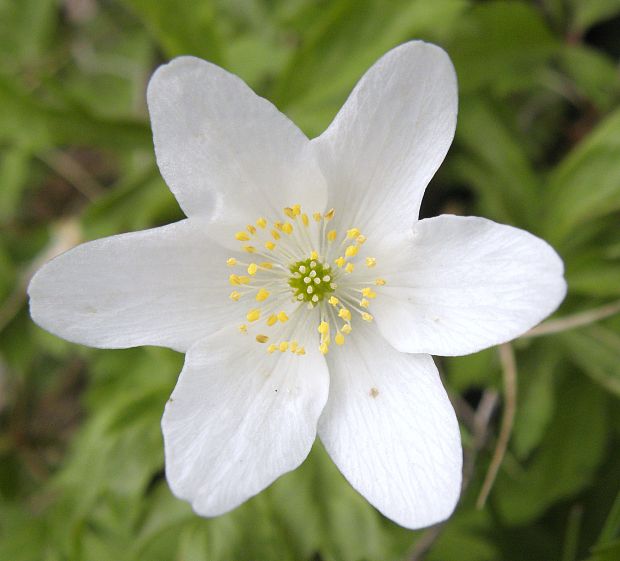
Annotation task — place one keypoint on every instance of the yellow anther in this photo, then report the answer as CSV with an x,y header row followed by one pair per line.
x,y
314,255
332,235
304,219
330,214
324,348
349,268
370,262
344,314
339,338
340,261
262,295
278,225
289,212
234,280
380,282
252,268
234,295
272,320
301,351
271,348
243,328
323,328
253,314
287,227
353,233
282,317
346,328
231,261
293,346
244,280
270,245
360,239
296,210
283,346
261,223
333,301
265,265
317,216
275,234
251,229
242,236
262,338
351,251
369,292
249,248
364,303
366,316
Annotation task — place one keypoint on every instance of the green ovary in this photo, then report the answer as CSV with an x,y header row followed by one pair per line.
x,y
311,280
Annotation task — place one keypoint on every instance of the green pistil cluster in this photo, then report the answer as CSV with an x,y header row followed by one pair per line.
x,y
311,280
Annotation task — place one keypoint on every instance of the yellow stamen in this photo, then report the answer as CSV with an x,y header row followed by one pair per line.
x,y
369,292
275,234
243,328
266,265
346,328
242,236
301,351
317,216
323,328
270,245
349,268
253,314
304,219
262,295
330,214
252,268
380,282
353,233
282,317
234,295
287,227
344,314
340,262
278,225
296,210
244,280
339,338
289,212
234,280
251,229
370,262
262,338
272,320
271,348
324,348
366,316
333,301
249,248
283,346
332,235
261,223
314,255
360,239
231,261
351,251
293,346
364,303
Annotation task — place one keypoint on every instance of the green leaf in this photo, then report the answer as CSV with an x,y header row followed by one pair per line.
x,y
586,184
589,12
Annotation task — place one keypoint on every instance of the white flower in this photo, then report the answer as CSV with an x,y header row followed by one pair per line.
x,y
337,294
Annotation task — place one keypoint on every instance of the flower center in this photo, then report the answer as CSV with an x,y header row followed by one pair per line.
x,y
293,292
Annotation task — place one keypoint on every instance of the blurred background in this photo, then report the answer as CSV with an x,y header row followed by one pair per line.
x,y
537,146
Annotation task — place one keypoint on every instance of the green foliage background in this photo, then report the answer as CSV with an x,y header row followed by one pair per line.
x,y
537,146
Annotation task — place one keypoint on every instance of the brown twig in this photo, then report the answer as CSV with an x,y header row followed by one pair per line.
x,y
509,374
575,320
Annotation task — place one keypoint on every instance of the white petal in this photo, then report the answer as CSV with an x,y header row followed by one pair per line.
x,y
391,430
462,284
239,418
390,137
225,152
166,286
